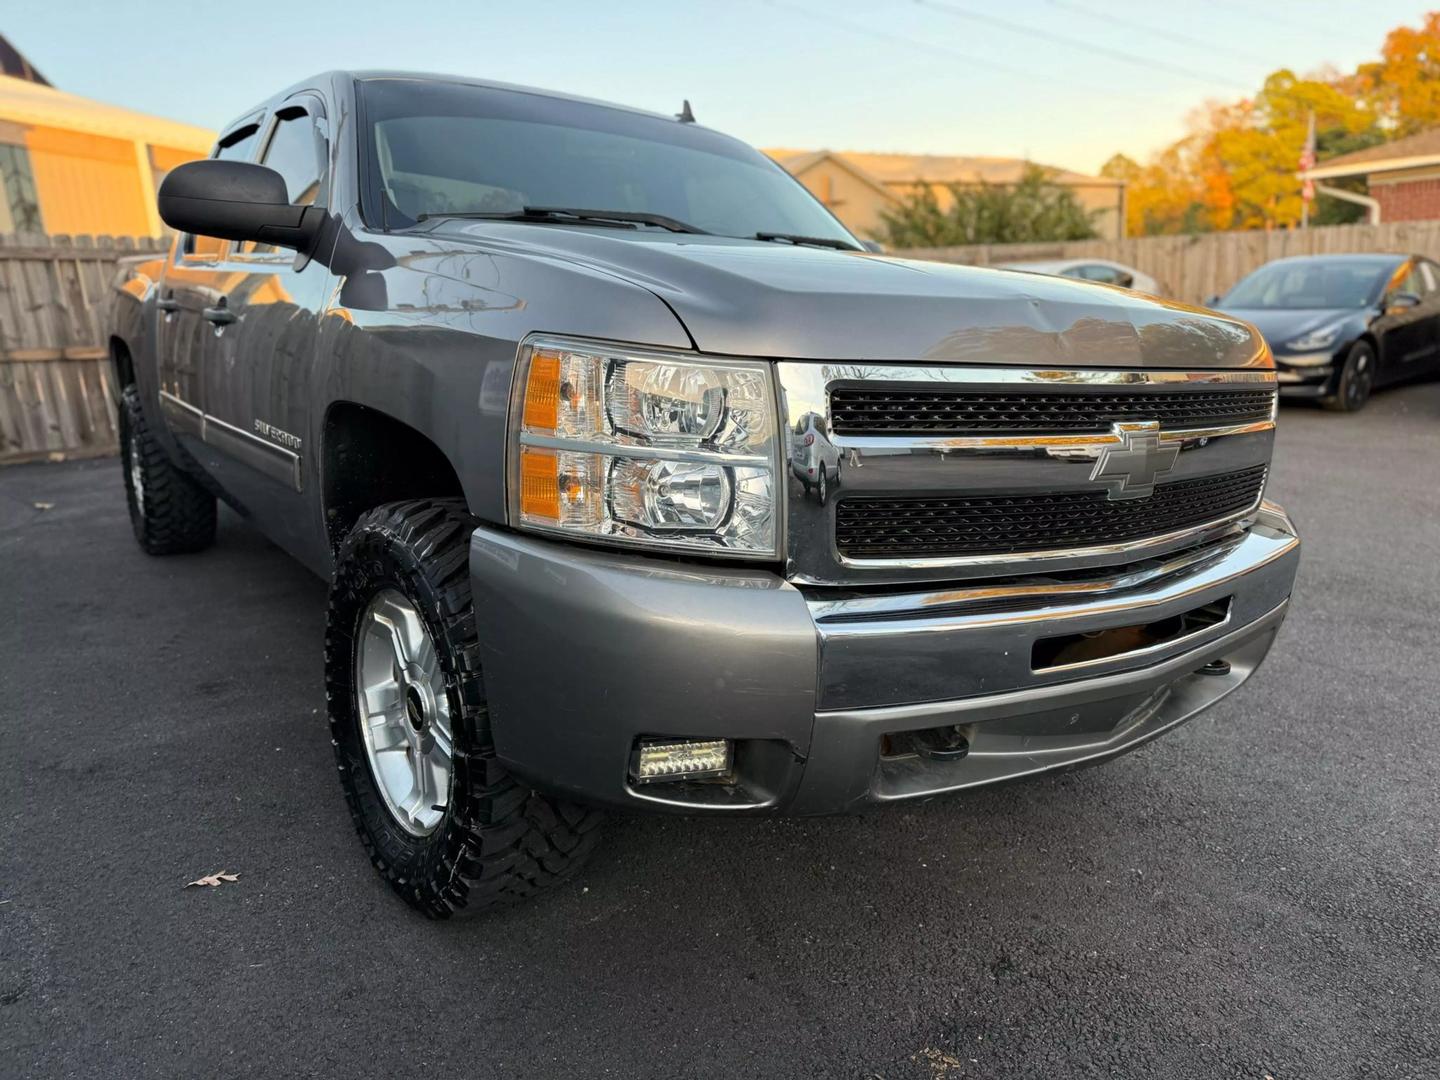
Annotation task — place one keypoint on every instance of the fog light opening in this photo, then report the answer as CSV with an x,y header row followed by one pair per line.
x,y
657,761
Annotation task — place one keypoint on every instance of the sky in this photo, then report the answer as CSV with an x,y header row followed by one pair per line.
x,y
1063,82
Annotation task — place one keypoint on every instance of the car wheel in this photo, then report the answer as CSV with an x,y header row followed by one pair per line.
x,y
822,487
1357,379
441,819
170,512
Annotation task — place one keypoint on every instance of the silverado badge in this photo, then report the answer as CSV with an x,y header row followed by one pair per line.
x,y
1130,467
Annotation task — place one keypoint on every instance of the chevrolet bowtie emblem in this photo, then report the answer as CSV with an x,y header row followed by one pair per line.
x,y
1130,467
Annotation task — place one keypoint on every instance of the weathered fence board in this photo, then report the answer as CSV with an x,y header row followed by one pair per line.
x,y
1195,267
54,371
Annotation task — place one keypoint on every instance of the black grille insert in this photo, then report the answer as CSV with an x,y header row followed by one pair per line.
x,y
870,410
874,527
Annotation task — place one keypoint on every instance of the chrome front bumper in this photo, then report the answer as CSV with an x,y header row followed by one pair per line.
x,y
586,651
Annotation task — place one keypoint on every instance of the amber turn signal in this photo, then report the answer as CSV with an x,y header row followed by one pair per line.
x,y
542,392
539,481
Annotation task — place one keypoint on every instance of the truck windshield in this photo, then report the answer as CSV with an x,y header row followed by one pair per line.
x,y
437,148
1353,283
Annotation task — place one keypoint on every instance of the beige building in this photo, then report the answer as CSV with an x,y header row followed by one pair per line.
x,y
70,165
858,186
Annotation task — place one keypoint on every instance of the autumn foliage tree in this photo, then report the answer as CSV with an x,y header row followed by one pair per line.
x,y
1236,169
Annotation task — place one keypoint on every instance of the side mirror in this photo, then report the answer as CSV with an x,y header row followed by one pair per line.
x,y
1125,281
1402,301
235,200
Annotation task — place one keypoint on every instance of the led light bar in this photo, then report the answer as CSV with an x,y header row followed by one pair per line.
x,y
683,759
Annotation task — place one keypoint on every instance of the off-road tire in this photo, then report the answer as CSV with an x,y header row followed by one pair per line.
x,y
1357,379
498,841
170,512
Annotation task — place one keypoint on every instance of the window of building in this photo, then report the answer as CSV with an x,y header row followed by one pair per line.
x,y
19,203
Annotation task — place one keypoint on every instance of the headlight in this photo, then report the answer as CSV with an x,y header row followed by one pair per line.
x,y
1316,339
656,449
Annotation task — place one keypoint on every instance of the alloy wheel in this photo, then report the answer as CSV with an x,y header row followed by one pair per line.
x,y
404,712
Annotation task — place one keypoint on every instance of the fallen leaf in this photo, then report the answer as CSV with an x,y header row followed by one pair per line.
x,y
214,879
44,506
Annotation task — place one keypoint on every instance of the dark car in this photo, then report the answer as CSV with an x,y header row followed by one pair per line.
x,y
1341,325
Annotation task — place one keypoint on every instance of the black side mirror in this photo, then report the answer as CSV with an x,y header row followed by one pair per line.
x,y
1402,300
234,200
1125,281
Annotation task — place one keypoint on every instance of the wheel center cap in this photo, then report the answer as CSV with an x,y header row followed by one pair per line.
x,y
414,708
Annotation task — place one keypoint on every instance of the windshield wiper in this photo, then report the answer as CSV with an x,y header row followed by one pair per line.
x,y
563,215
808,241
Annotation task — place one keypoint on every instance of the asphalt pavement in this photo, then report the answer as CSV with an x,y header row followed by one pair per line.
x,y
1254,895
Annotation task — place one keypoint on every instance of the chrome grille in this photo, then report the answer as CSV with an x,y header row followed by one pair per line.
x,y
898,410
877,528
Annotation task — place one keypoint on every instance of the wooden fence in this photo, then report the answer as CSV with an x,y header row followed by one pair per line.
x,y
1196,267
54,297
54,373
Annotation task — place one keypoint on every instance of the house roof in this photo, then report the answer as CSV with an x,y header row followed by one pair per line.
x,y
934,168
1407,153
26,102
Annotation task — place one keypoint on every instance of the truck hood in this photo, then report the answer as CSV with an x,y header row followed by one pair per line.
x,y
749,298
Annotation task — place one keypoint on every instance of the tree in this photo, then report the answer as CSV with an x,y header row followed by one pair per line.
x,y
1237,167
1034,208
1404,85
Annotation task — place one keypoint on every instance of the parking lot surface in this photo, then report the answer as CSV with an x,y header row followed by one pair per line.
x,y
1256,894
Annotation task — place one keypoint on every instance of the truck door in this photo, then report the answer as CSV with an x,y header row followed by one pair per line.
x,y
192,281
260,360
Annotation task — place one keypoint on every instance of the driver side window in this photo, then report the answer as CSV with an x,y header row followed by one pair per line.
x,y
296,151
1408,281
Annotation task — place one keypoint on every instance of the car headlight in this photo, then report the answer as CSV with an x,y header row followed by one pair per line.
x,y
1315,339
658,449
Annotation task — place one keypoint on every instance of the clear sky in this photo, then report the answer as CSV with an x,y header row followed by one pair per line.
x,y
1065,82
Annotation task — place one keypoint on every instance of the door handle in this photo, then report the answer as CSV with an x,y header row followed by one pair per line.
x,y
220,314
167,304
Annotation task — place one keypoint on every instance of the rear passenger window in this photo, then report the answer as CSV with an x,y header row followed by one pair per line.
x,y
1430,276
237,146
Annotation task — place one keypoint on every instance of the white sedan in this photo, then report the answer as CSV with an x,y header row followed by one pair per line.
x,y
1101,270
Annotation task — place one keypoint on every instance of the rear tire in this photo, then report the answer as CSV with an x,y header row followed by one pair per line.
x,y
822,487
169,510
1357,379
490,840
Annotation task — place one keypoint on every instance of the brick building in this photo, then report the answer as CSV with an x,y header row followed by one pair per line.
x,y
1403,176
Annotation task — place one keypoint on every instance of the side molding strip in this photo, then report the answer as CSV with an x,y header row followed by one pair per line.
x,y
276,462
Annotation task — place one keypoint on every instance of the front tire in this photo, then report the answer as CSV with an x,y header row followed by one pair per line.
x,y
169,510
441,818
1357,379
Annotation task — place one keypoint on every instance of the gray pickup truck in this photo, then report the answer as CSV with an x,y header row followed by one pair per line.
x,y
642,484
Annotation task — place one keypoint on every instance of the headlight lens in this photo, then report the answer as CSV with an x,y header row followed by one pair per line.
x,y
1315,339
652,449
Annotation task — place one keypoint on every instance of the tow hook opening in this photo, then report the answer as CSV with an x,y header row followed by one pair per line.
x,y
948,743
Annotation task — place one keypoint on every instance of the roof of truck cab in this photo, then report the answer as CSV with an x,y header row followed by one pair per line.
x,y
491,84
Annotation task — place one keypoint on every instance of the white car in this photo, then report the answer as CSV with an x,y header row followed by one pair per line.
x,y
814,459
1101,270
